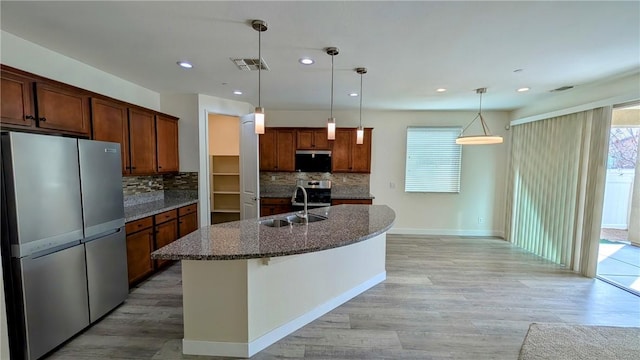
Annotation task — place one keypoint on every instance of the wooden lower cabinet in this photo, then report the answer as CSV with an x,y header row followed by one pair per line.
x,y
151,233
351,201
139,248
187,220
274,206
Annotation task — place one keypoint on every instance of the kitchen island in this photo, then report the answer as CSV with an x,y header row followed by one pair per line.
x,y
247,285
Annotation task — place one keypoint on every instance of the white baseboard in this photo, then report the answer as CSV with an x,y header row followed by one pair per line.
x,y
445,232
212,348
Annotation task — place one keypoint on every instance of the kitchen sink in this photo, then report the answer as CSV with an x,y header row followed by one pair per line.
x,y
292,220
275,222
310,218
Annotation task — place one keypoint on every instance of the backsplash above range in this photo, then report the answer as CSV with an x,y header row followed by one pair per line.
x,y
341,183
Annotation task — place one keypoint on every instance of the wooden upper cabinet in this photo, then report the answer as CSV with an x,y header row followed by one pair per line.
x,y
286,141
268,150
167,144
17,105
361,153
312,139
277,150
347,156
142,141
62,109
110,124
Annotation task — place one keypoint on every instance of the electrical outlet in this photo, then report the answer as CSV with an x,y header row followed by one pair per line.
x,y
273,178
480,220
392,185
150,183
344,179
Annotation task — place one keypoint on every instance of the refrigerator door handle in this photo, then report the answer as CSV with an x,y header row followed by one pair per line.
x,y
53,250
103,234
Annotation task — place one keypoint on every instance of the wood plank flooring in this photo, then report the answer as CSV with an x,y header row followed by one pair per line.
x,y
444,298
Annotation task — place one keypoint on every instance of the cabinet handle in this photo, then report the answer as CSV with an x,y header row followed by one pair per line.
x,y
159,167
43,119
30,117
132,167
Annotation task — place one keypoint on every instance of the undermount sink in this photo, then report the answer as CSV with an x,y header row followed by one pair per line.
x,y
310,218
292,220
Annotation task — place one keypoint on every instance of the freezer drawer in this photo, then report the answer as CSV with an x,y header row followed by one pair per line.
x,y
107,273
55,298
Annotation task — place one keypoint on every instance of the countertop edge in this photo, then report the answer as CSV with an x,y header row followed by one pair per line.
x,y
160,210
382,230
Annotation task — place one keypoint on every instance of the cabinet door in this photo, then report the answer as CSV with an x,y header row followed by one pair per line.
x,y
188,224
341,154
320,139
361,154
167,144
110,124
139,247
142,142
62,109
17,106
268,150
166,233
305,139
286,145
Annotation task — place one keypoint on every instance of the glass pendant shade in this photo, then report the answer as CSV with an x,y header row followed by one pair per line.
x,y
331,129
259,120
360,135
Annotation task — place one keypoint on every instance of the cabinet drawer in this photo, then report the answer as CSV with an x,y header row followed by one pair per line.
x,y
187,209
275,201
138,225
166,216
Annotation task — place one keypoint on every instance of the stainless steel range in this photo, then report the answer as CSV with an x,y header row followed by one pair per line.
x,y
318,194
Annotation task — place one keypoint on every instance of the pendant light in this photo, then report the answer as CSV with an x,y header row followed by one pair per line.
x,y
331,123
483,139
259,26
360,131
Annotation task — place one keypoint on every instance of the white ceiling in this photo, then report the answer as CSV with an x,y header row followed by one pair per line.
x,y
409,48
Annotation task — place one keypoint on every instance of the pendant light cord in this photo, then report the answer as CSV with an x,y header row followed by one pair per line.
x,y
485,128
259,64
360,99
331,86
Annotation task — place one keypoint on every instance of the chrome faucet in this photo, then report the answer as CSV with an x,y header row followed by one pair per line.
x,y
304,192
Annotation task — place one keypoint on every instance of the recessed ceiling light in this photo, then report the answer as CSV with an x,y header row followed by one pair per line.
x,y
441,90
306,61
523,89
237,92
353,94
518,70
185,64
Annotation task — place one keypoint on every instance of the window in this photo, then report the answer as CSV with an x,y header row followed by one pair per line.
x,y
433,160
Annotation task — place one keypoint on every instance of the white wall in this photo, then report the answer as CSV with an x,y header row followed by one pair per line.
x,y
483,170
24,55
610,92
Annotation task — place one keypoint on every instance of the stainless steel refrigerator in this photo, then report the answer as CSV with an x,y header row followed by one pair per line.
x,y
63,231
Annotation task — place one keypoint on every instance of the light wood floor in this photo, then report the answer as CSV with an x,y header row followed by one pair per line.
x,y
444,298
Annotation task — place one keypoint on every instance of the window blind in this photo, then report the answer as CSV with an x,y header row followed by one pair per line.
x,y
433,160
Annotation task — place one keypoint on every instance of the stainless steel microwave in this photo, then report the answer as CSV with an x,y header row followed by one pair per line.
x,y
313,160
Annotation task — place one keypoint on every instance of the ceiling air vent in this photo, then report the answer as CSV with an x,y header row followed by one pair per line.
x,y
250,64
562,88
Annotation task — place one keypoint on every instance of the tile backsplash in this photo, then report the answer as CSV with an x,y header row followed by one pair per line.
x,y
134,185
338,180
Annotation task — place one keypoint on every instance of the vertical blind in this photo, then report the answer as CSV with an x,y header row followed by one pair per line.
x,y
433,160
556,187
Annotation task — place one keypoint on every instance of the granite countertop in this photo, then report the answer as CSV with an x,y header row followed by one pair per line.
x,y
139,211
248,239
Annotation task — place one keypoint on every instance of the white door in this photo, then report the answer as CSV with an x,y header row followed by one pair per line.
x,y
249,174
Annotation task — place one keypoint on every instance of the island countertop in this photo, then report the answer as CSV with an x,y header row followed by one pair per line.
x,y
248,239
